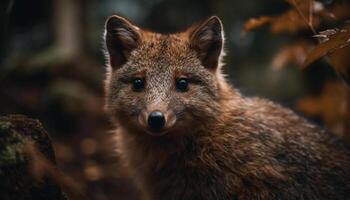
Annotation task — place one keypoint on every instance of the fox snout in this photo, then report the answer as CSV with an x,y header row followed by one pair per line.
x,y
157,122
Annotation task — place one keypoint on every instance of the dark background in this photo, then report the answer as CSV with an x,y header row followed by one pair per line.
x,y
52,69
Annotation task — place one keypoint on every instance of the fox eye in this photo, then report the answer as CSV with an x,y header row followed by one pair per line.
x,y
182,84
138,84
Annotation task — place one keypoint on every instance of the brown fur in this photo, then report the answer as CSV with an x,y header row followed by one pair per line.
x,y
220,144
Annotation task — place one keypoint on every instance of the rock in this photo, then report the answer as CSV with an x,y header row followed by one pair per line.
x,y
17,180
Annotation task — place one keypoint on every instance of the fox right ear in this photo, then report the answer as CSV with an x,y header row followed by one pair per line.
x,y
207,40
121,38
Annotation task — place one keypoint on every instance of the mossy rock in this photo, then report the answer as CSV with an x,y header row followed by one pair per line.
x,y
16,180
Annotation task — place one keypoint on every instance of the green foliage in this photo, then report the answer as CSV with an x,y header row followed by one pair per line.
x,y
11,146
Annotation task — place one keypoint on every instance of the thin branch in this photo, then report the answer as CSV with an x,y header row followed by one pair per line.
x,y
304,18
311,3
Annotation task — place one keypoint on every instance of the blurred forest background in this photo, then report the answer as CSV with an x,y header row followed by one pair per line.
x,y
52,67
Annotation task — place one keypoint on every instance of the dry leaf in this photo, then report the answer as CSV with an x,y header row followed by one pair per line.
x,y
330,106
305,8
339,11
254,23
340,61
291,22
294,53
335,43
305,14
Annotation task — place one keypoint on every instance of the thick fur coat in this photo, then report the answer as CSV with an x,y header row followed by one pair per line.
x,y
216,143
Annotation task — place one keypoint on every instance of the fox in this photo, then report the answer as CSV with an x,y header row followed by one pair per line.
x,y
183,132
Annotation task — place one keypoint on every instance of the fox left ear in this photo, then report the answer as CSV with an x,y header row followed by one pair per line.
x,y
207,40
121,38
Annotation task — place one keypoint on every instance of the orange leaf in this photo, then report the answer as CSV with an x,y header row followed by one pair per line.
x,y
294,53
341,63
290,22
330,105
340,10
254,23
333,40
304,7
305,14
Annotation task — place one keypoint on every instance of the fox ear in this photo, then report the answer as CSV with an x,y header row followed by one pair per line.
x,y
121,38
207,40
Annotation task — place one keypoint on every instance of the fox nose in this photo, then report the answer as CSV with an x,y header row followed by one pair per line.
x,y
156,120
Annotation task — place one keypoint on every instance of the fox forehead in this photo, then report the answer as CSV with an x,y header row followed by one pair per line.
x,y
163,53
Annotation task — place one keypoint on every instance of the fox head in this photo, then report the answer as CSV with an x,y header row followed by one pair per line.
x,y
164,84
